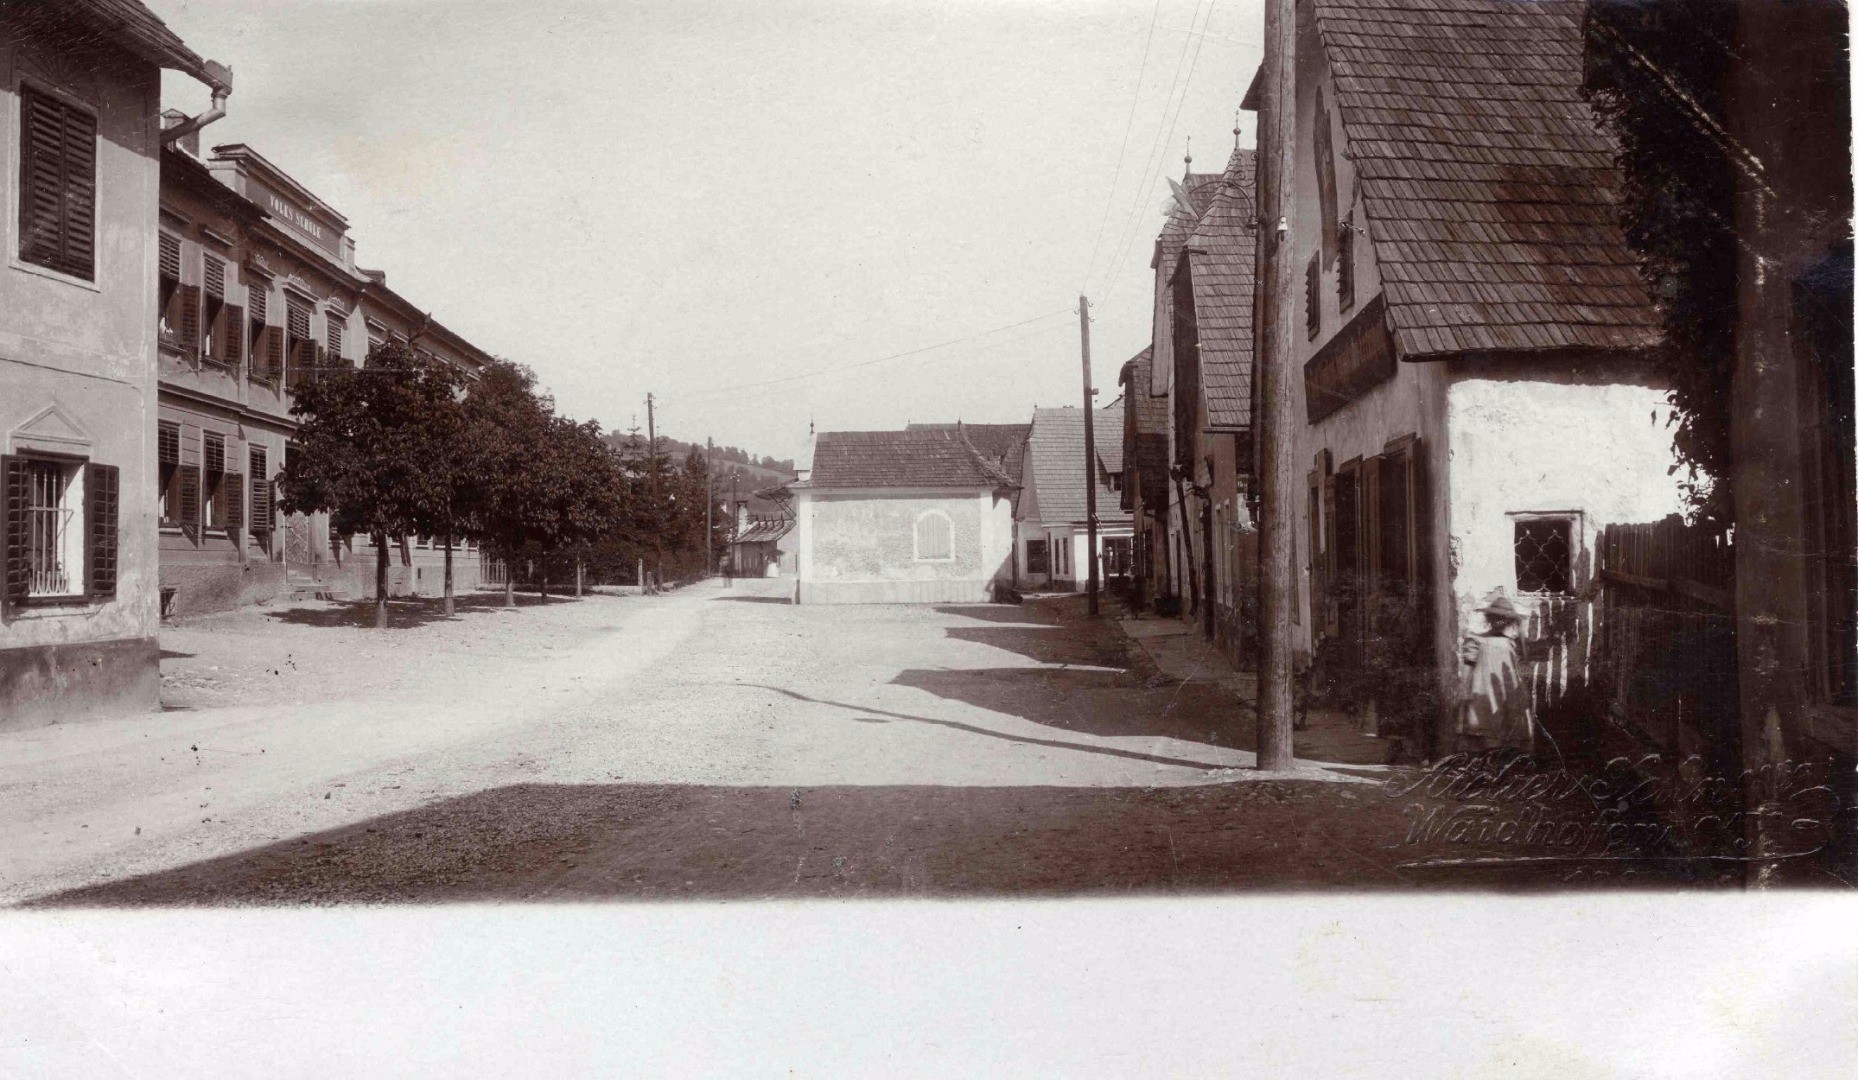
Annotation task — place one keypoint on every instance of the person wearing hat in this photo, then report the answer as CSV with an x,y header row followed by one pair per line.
x,y
1493,708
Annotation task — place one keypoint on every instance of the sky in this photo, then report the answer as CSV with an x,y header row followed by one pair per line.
x,y
750,209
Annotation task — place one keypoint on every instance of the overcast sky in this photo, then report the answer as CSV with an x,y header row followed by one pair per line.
x,y
698,198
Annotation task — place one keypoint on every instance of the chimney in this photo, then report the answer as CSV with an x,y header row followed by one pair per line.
x,y
189,142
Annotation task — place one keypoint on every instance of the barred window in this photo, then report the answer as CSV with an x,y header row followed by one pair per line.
x,y
934,537
1545,555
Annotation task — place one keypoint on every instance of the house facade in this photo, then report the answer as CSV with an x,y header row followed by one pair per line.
x,y
1472,375
915,516
258,290
1051,521
1143,490
1210,396
80,147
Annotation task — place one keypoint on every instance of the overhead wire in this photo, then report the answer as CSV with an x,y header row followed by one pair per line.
x,y
1109,199
1199,43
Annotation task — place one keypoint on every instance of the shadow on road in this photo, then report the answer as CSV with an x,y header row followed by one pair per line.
x,y
1103,703
405,613
756,599
1002,613
973,729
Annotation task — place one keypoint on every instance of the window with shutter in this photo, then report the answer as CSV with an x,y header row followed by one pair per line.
x,y
101,502
934,537
215,277
334,333
58,185
213,489
261,490
213,320
168,490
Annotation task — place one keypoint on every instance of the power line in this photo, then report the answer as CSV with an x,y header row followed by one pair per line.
x,y
875,360
1151,162
1200,42
1109,199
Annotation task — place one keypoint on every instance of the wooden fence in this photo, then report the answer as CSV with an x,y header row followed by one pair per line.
x,y
1664,636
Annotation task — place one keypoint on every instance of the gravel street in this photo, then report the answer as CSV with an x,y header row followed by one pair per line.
x,y
714,742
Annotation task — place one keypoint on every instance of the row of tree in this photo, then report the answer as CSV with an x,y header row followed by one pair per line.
x,y
408,445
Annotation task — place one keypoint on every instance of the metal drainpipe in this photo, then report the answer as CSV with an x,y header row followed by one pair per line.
x,y
189,126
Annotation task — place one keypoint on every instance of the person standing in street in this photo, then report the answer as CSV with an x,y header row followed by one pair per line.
x,y
1493,710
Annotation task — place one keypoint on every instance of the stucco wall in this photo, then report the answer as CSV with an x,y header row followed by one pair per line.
x,y
860,547
87,348
1540,445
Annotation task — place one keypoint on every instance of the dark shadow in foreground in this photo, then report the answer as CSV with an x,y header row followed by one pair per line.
x,y
547,844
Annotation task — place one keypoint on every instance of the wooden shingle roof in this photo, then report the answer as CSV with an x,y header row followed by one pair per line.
x,y
1058,474
1489,187
1219,254
939,457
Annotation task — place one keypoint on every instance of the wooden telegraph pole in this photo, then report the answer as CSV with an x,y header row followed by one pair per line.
x,y
651,463
709,501
1277,502
1090,451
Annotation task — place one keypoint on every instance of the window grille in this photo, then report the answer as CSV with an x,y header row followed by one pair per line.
x,y
47,529
1544,555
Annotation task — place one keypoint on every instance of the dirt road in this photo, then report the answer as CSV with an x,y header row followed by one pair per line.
x,y
714,743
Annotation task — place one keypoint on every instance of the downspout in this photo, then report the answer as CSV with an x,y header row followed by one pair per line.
x,y
187,127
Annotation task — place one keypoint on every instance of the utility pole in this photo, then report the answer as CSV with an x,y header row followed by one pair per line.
x,y
651,463
1277,501
1090,450
709,501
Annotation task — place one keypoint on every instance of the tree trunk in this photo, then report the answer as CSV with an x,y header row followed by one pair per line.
x,y
450,608
580,575
380,581
509,583
543,576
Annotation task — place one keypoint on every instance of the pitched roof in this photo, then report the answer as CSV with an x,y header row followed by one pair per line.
x,y
1490,189
1200,188
922,457
1110,441
1220,255
133,25
1151,410
1056,450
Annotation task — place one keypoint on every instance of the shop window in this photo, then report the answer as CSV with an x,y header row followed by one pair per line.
x,y
1544,548
934,537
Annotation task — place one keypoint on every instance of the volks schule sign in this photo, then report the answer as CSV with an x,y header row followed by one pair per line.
x,y
1355,360
293,215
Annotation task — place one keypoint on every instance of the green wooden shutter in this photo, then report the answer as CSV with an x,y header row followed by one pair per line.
x,y
190,320
41,174
235,501
102,484
58,186
234,333
80,202
17,494
190,496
